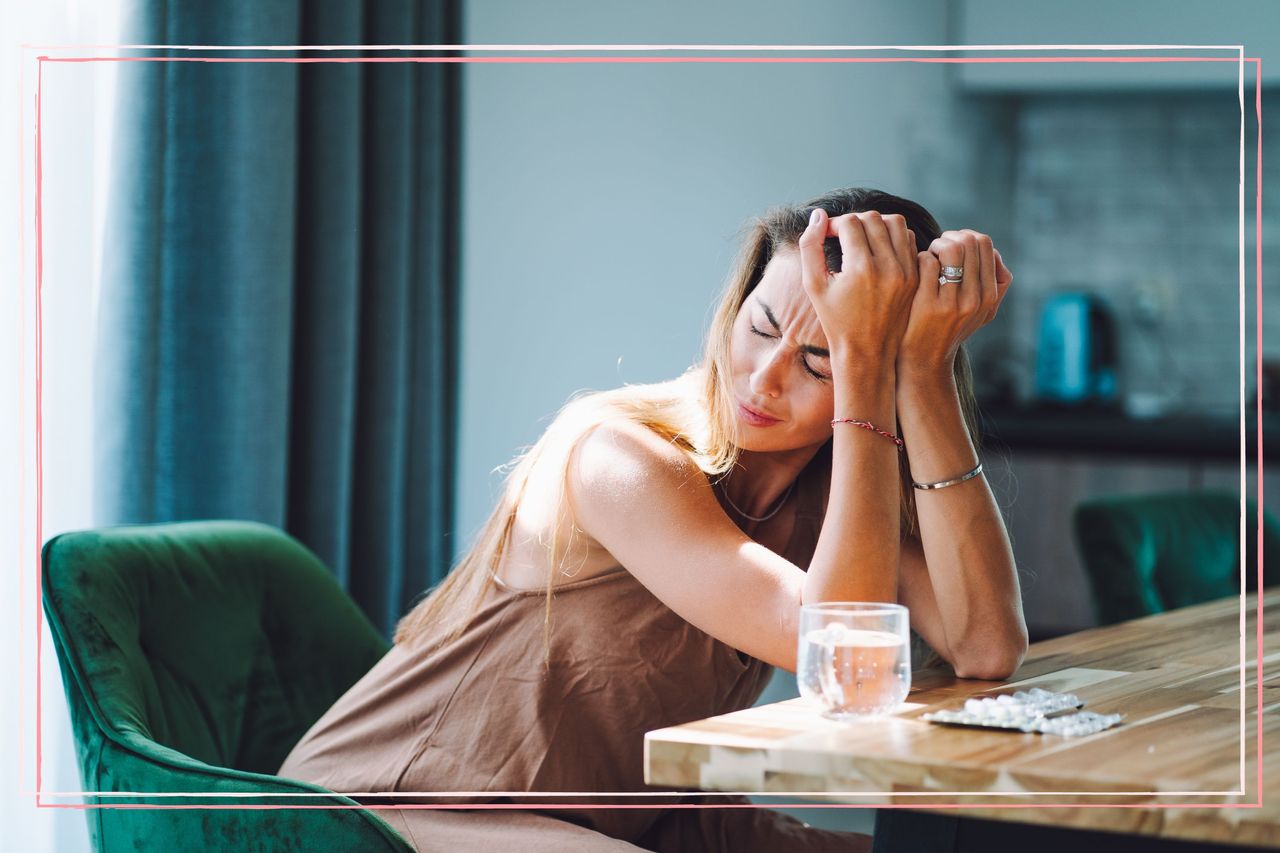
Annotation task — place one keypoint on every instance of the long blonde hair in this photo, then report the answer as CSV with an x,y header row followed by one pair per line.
x,y
694,412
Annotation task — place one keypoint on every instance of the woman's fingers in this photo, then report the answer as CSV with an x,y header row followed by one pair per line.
x,y
971,295
881,242
813,261
987,274
961,249
855,252
929,267
947,314
1003,279
949,254
904,244
1003,275
877,236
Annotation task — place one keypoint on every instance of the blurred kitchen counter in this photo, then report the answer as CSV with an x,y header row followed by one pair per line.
x,y
1111,432
1041,462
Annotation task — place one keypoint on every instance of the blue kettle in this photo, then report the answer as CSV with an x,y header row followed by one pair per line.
x,y
1076,361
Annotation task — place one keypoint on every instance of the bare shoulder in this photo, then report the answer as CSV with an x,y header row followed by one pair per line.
x,y
611,464
624,479
622,454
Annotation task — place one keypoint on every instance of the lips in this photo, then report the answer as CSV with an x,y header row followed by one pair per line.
x,y
757,416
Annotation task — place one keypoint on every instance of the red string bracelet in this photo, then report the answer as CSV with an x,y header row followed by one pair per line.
x,y
865,425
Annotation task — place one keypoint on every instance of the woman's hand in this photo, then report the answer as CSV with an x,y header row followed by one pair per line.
x,y
944,315
865,307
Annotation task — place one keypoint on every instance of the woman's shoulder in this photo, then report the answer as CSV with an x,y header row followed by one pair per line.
x,y
622,452
623,478
611,463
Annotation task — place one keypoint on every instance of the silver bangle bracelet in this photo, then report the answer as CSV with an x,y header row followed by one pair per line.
x,y
975,472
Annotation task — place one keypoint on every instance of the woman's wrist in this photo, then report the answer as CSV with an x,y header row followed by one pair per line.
x,y
916,381
850,366
934,428
865,390
863,348
910,360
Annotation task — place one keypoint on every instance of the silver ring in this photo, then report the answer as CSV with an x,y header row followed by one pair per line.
x,y
944,281
953,271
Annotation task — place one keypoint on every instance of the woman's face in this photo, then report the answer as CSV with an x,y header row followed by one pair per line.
x,y
780,365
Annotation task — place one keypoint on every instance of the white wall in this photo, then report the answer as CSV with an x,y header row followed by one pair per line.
x,y
600,202
1252,23
75,131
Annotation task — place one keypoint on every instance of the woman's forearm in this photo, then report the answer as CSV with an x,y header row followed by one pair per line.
x,y
966,546
856,558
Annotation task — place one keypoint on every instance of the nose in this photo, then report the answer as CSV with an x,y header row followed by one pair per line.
x,y
766,379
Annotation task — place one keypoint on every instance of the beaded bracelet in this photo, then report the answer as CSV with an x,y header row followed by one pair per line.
x,y
873,428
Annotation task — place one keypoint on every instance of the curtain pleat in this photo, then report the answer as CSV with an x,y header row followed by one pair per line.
x,y
278,313
328,308
437,317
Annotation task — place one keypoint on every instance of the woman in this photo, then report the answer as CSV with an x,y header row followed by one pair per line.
x,y
679,526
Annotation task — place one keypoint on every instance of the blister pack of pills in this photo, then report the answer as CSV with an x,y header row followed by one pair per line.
x,y
1034,710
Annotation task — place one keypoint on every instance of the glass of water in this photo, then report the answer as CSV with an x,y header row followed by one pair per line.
x,y
854,657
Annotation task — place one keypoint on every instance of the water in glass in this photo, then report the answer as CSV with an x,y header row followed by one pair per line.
x,y
856,663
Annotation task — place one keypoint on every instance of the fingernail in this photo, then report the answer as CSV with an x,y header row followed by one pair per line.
x,y
815,216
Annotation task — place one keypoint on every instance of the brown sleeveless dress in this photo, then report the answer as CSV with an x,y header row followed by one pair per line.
x,y
479,715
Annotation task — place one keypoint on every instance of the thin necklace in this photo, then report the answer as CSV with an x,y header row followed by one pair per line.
x,y
768,515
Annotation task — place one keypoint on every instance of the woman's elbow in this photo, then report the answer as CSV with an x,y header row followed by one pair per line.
x,y
993,663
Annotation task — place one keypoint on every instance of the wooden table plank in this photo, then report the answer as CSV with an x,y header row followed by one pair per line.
x,y
1176,677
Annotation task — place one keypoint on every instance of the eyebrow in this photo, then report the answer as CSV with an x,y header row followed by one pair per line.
x,y
809,348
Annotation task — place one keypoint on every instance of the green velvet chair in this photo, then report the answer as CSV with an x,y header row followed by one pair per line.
x,y
195,656
1146,554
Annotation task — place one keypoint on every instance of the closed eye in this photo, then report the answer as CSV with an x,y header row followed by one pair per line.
x,y
815,374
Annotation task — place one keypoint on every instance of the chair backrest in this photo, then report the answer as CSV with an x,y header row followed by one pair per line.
x,y
222,640
194,656
1150,553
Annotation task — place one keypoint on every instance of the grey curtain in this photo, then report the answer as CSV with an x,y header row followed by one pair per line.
x,y
278,315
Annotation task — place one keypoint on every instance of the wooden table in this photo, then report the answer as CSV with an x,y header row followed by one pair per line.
x,y
1184,741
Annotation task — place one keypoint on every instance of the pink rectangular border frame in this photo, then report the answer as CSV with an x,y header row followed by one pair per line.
x,y
43,58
